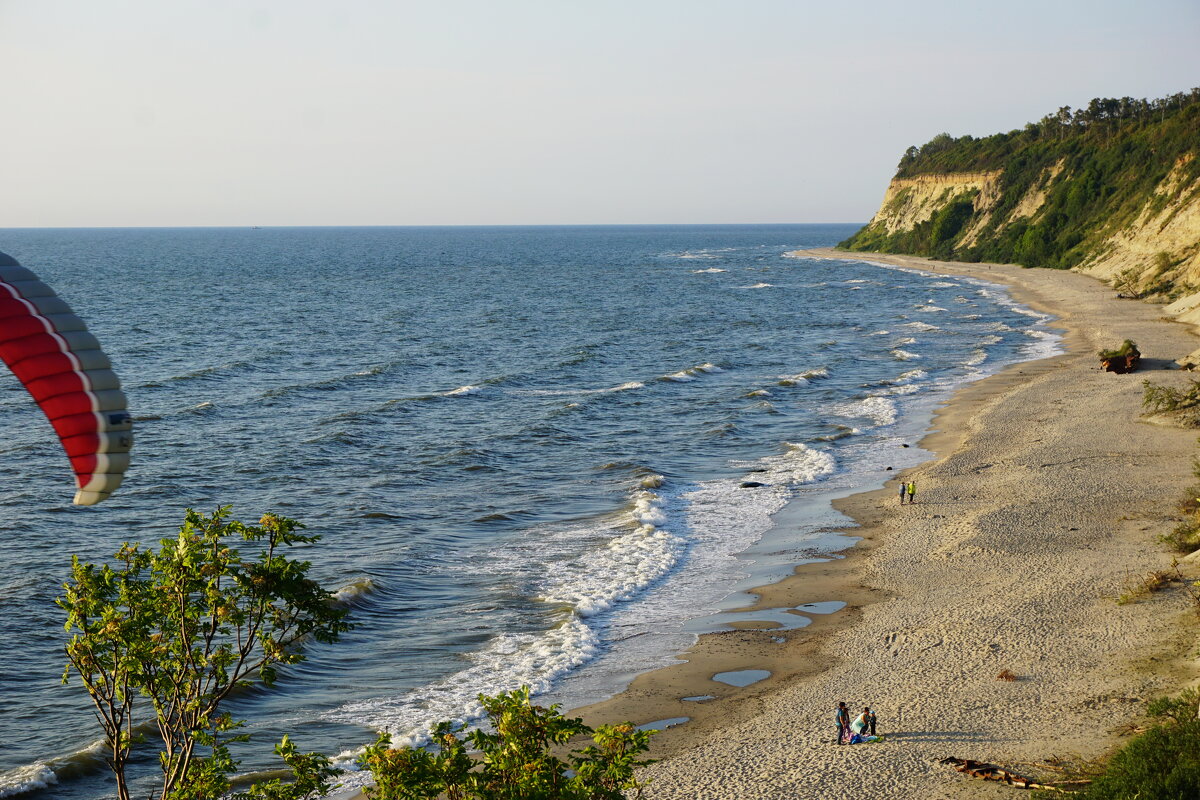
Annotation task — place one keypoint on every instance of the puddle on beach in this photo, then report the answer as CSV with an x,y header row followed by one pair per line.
x,y
663,724
827,607
742,677
775,619
699,698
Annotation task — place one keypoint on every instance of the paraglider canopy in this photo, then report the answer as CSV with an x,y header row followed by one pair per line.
x,y
51,352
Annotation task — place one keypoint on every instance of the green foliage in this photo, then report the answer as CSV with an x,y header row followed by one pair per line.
x,y
515,762
179,629
1161,764
1112,155
311,775
1127,347
1157,398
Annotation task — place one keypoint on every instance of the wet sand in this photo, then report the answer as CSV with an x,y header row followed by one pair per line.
x,y
1044,502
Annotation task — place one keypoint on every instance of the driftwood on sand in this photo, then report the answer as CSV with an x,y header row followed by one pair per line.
x,y
992,772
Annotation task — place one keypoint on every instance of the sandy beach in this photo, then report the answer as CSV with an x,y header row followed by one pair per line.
x,y
1043,504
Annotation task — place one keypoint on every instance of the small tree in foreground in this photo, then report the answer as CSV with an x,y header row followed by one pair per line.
x,y
515,762
179,629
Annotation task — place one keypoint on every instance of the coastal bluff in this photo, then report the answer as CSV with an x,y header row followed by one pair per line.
x,y
1111,190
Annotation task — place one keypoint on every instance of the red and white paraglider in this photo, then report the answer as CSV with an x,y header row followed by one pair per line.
x,y
51,352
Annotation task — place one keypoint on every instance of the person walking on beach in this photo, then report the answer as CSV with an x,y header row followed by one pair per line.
x,y
912,492
903,491
843,724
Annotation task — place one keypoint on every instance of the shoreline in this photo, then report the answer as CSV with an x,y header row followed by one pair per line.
x,y
774,738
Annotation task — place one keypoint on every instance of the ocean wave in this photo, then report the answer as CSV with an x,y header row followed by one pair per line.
x,y
920,326
929,307
879,333
758,393
798,464
325,384
354,592
976,358
624,387
709,271
706,253
760,285
463,391
196,374
804,378
840,432
584,585
42,774
904,355
691,373
879,410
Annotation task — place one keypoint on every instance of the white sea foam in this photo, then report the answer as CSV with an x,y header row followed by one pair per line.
x,y
911,375
20,780
796,465
929,307
1045,344
878,409
354,590
758,286
879,333
691,373
904,355
906,340
758,393
583,584
858,280
710,270
976,358
803,378
463,391
920,326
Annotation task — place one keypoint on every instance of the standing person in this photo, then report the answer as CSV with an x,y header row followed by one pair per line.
x,y
843,723
912,492
903,491
870,719
862,723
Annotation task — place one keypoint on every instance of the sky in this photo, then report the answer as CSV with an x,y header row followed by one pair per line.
x,y
498,112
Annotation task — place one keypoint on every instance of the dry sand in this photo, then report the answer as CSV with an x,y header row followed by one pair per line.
x,y
1044,503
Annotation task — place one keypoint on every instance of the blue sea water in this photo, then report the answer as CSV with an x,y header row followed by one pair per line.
x,y
524,448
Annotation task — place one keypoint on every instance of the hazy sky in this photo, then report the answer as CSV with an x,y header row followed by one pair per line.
x,y
378,112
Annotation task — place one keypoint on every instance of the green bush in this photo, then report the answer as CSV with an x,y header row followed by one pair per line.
x,y
1157,398
515,762
1161,764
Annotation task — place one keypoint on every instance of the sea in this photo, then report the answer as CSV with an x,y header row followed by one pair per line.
x,y
539,456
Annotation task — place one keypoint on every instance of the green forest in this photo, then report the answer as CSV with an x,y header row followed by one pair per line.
x,y
1112,155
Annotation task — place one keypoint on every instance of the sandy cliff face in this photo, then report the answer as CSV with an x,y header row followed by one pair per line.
x,y
911,201
1168,224
1160,248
